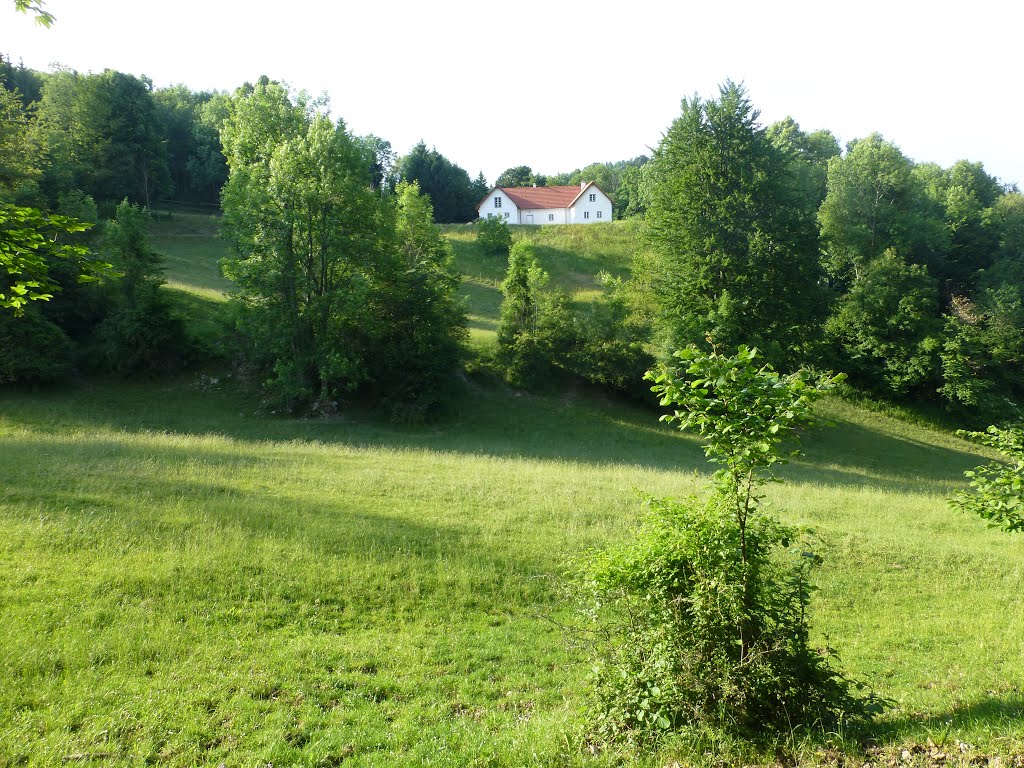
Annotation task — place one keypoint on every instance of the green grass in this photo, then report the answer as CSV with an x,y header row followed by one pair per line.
x,y
572,255
192,252
184,581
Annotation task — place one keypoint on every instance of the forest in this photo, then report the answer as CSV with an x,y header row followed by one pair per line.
x,y
904,274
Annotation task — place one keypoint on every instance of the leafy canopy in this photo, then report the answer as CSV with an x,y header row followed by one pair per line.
x,y
35,7
339,286
29,241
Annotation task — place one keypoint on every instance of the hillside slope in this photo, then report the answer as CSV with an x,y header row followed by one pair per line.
x,y
185,580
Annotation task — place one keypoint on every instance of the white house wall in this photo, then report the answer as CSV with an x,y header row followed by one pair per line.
x,y
599,211
506,210
541,216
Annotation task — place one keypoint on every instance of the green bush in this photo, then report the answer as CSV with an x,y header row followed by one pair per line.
x,y
704,619
609,345
887,328
982,356
143,335
494,236
698,635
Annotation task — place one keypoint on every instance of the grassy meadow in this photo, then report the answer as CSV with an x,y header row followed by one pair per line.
x,y
186,580
572,255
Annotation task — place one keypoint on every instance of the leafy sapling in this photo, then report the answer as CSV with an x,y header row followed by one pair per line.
x,y
746,415
703,621
997,488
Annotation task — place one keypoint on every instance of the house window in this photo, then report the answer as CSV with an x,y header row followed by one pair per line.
x,y
551,217
490,215
599,214
497,202
593,198
586,214
506,214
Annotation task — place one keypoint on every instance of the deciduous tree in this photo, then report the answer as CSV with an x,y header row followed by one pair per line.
x,y
520,176
338,287
997,488
888,326
876,202
29,242
303,222
103,136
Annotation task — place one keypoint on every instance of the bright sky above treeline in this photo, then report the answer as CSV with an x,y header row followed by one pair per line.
x,y
559,85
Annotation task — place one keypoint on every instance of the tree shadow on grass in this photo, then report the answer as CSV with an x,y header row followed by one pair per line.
x,y
488,421
854,455
992,713
484,304
244,529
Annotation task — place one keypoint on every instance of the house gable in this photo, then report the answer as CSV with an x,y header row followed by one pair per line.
x,y
498,203
591,205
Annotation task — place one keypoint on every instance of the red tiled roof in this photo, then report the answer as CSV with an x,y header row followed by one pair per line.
x,y
542,197
532,198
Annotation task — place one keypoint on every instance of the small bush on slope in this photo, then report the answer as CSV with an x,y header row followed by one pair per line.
x,y
703,620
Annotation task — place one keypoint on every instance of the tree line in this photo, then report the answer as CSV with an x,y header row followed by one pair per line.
x,y
905,275
345,288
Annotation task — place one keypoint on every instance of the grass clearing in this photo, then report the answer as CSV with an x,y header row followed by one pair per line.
x,y
192,250
185,582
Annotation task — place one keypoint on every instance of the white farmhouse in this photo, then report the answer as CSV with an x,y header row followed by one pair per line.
x,y
585,204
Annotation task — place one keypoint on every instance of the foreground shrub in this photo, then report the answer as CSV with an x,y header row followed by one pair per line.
x,y
695,634
704,619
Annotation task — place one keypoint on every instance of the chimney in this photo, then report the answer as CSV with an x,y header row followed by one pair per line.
x,y
583,185
535,185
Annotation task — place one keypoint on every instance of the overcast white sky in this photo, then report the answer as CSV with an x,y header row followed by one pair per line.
x,y
558,85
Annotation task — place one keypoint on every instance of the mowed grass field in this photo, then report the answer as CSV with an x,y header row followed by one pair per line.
x,y
186,581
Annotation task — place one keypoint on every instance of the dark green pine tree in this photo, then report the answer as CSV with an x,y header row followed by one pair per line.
x,y
730,253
